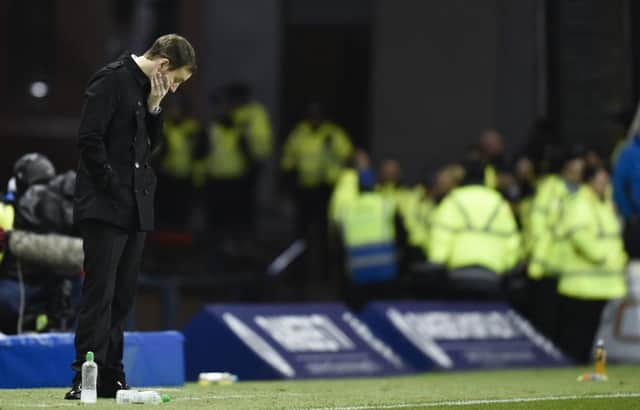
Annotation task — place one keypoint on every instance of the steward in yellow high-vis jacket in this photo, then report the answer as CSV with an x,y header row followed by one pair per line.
x,y
436,187
367,224
405,199
240,143
591,263
313,156
474,227
176,165
370,232
546,211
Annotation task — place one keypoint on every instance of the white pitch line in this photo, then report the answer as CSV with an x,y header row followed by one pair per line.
x,y
476,402
216,397
237,396
41,405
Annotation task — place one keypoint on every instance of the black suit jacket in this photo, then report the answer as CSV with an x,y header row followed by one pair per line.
x,y
117,134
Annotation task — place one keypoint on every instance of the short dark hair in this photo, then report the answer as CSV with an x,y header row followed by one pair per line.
x,y
174,48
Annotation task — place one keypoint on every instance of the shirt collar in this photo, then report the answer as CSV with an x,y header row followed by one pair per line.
x,y
135,69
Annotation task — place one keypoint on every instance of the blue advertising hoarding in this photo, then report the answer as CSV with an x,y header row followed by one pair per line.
x,y
286,341
455,336
44,360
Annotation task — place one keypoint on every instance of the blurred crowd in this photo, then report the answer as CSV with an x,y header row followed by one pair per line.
x,y
546,228
541,228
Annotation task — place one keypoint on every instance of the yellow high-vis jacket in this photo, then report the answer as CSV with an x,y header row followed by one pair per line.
x,y
345,190
368,230
316,155
253,119
474,226
414,208
226,159
180,139
545,212
590,252
7,217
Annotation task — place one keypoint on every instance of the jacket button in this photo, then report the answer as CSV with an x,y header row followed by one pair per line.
x,y
137,165
139,103
146,191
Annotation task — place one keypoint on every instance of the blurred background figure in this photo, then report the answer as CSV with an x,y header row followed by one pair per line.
x,y
175,195
42,203
437,188
347,185
565,175
390,178
416,208
314,153
9,287
620,130
251,117
590,246
367,224
491,152
525,178
474,236
626,192
236,146
405,199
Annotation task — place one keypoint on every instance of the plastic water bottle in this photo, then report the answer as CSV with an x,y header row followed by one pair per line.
x,y
600,374
140,397
89,394
601,358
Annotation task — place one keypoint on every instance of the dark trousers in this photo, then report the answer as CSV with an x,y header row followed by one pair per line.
x,y
632,238
578,324
312,224
544,306
111,265
312,206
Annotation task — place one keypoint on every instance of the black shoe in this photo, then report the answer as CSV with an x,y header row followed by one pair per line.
x,y
109,382
74,393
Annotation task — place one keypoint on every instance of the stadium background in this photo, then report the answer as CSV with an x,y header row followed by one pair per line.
x,y
410,70
413,80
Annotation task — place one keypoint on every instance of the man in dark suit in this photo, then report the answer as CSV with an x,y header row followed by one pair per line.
x,y
113,204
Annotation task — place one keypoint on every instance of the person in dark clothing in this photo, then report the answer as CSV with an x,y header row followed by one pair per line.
x,y
626,193
113,203
43,204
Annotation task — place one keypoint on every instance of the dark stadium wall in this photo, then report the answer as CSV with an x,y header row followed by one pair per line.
x,y
445,70
243,44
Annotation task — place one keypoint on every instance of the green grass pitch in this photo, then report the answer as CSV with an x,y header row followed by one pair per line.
x,y
500,389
